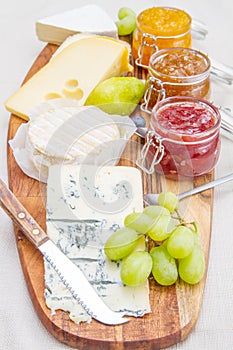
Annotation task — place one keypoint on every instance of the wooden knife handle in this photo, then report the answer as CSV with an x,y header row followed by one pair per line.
x,y
20,216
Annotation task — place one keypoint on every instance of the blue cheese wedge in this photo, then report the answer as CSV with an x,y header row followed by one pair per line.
x,y
85,205
90,18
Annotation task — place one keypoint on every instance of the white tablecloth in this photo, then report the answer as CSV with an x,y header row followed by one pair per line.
x,y
20,328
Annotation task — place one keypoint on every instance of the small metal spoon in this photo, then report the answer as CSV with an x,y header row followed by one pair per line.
x,y
152,198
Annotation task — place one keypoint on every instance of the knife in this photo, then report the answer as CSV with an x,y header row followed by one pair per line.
x,y
69,273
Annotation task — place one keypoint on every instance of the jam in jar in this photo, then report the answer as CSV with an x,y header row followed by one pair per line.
x,y
177,72
183,138
158,28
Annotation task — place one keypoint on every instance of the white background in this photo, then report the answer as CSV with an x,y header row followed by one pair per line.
x,y
20,328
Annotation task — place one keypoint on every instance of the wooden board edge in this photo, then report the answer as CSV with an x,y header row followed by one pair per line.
x,y
58,332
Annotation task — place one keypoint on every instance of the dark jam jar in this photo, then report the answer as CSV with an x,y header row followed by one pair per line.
x,y
177,72
183,138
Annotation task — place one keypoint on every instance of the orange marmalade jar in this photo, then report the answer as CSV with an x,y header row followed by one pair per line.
x,y
158,28
177,72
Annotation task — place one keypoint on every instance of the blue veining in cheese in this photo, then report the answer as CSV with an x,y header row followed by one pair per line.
x,y
85,205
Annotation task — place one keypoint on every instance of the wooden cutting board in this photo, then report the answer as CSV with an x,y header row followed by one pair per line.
x,y
175,309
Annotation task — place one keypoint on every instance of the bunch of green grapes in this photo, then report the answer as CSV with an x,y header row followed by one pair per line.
x,y
176,252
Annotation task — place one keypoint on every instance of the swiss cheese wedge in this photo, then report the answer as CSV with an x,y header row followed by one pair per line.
x,y
73,73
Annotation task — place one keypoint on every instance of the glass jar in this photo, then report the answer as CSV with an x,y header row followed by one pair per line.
x,y
158,28
183,138
177,72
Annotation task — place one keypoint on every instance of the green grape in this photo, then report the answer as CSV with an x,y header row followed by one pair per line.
x,y
172,225
126,25
159,230
168,200
181,242
155,211
136,268
191,269
121,243
164,244
127,21
139,222
197,240
125,11
164,267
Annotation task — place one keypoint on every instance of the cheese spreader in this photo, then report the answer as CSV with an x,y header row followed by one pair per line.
x,y
69,273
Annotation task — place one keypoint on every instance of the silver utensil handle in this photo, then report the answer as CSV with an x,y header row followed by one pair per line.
x,y
199,29
221,71
221,75
206,186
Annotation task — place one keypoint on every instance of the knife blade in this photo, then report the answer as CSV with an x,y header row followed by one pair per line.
x,y
69,273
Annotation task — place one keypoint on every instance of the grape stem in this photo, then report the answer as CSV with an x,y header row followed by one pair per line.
x,y
146,243
178,217
195,225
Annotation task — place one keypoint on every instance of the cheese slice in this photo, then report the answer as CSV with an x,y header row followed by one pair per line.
x,y
90,18
86,204
73,73
72,38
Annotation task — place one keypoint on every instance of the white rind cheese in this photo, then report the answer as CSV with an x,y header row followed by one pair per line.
x,y
75,135
69,136
65,136
79,225
34,157
90,18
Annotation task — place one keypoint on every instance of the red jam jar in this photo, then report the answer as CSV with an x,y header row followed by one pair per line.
x,y
183,139
177,72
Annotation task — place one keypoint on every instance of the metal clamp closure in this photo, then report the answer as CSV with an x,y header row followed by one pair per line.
x,y
143,44
155,142
155,89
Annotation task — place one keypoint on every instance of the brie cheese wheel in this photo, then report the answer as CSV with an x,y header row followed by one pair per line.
x,y
69,135
85,205
73,73
90,18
